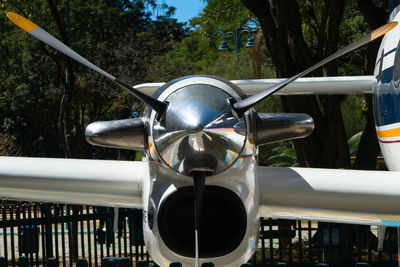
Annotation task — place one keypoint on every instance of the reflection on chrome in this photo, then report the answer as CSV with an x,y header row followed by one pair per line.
x,y
199,131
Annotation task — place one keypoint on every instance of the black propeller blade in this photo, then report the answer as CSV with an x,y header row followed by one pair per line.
x,y
242,106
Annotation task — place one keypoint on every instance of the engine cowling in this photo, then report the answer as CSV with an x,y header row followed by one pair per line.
x,y
222,227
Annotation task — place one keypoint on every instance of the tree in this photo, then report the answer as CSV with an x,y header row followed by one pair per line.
x,y
298,34
294,46
39,109
376,15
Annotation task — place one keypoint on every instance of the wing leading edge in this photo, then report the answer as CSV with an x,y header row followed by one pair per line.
x,y
91,182
302,86
343,196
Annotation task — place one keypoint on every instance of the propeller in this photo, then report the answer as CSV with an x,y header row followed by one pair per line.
x,y
50,40
199,178
244,105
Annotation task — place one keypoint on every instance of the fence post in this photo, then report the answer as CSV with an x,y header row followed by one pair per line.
x,y
142,263
48,231
82,263
110,263
3,262
116,261
23,261
51,262
74,233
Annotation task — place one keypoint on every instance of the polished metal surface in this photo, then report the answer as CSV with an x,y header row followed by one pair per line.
x,y
126,134
198,131
277,127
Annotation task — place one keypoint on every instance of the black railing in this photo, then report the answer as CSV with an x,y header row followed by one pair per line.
x,y
33,233
69,233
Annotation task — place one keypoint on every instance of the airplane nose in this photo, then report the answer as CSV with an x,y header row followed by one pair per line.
x,y
198,131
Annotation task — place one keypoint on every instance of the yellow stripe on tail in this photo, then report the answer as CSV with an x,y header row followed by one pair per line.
x,y
389,133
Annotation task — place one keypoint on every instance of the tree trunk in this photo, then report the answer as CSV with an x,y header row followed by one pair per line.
x,y
368,149
281,23
256,55
66,91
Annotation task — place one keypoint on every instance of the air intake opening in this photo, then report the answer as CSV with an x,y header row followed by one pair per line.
x,y
222,227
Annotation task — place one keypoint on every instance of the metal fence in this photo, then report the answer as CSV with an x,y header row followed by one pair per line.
x,y
69,232
306,243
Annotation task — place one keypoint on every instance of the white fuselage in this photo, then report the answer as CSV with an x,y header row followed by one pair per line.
x,y
386,97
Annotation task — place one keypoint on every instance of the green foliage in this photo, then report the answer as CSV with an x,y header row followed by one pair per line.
x,y
220,16
118,36
226,12
283,156
189,57
25,90
198,52
353,26
353,143
353,110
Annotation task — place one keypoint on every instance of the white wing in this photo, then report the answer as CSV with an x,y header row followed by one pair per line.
x,y
346,196
302,86
91,182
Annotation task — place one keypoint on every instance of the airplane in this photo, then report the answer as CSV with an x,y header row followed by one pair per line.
x,y
199,178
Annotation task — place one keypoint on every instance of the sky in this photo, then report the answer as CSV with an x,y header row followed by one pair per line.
x,y
185,9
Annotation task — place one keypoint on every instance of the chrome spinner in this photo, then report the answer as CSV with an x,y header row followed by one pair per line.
x,y
198,132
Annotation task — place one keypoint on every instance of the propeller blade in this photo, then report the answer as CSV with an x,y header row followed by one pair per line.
x,y
50,40
199,178
242,106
